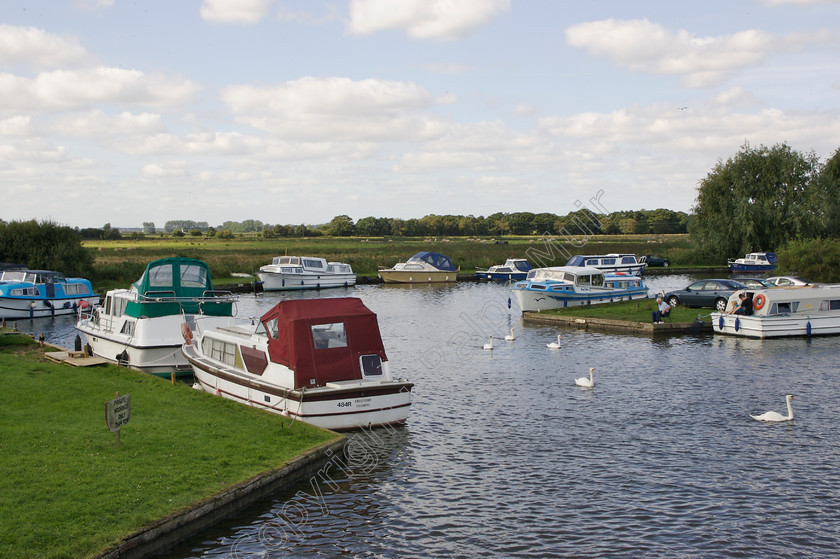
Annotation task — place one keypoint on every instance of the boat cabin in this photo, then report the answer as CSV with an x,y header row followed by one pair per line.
x,y
603,261
579,276
172,286
434,259
323,340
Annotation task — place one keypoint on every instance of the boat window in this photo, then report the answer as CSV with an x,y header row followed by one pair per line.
x,y
503,270
326,336
288,270
592,262
193,275
24,291
128,328
608,261
313,263
76,289
830,305
537,286
108,305
219,350
583,280
119,306
781,308
628,260
161,276
598,280
371,365
271,327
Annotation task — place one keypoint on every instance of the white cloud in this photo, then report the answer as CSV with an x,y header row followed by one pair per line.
x,y
68,89
643,46
246,12
336,109
423,19
35,47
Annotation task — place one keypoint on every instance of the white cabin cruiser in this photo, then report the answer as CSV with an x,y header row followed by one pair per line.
x,y
610,263
569,286
317,360
305,272
812,310
141,327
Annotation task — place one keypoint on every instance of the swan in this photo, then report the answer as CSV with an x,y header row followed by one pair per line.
x,y
490,345
776,416
554,345
510,337
584,382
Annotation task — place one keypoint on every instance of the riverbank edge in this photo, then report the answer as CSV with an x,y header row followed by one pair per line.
x,y
619,326
166,533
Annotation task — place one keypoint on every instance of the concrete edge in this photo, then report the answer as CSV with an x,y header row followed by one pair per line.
x,y
620,326
162,535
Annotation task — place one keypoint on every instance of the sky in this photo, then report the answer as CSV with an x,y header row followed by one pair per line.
x,y
294,112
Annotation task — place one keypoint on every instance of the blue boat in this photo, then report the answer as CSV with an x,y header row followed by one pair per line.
x,y
570,286
754,262
512,269
42,293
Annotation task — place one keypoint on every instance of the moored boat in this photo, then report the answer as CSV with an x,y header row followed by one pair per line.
x,y
754,262
287,273
512,269
141,327
423,267
569,286
610,263
42,293
320,361
812,310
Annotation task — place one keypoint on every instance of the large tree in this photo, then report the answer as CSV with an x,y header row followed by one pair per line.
x,y
46,246
757,200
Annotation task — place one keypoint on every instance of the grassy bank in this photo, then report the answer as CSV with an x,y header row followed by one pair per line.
x,y
118,263
631,311
67,489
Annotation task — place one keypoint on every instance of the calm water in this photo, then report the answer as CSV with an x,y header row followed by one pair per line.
x,y
504,456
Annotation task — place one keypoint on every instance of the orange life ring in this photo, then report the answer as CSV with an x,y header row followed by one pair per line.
x,y
186,332
758,301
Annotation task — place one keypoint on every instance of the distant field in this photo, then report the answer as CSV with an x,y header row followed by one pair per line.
x,y
118,263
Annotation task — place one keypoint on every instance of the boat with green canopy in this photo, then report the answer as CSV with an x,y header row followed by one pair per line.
x,y
144,326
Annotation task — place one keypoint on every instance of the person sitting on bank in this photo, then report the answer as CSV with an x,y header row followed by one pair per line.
x,y
661,312
743,307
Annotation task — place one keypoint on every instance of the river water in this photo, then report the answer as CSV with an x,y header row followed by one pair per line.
x,y
504,456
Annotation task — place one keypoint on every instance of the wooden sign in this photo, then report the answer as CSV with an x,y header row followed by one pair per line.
x,y
117,412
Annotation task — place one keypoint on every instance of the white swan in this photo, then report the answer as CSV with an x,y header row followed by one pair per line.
x,y
554,345
510,337
776,416
490,345
584,382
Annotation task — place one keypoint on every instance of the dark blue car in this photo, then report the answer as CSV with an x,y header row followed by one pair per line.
x,y
712,293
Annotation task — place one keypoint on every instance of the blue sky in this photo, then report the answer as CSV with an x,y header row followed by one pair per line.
x,y
298,111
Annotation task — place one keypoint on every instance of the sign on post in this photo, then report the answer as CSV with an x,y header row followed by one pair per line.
x,y
117,413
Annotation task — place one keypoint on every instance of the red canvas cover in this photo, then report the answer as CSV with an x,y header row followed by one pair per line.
x,y
294,346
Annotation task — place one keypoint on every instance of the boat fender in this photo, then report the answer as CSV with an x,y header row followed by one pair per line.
x,y
186,333
67,304
720,323
47,304
758,301
808,328
737,324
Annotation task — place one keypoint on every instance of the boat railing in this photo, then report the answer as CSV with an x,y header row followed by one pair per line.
x,y
170,296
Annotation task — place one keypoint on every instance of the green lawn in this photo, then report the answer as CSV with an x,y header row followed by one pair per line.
x,y
634,311
68,489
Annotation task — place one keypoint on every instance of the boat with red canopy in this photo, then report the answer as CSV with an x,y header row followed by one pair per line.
x,y
321,361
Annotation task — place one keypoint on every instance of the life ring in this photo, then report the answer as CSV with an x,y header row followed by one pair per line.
x,y
758,301
187,333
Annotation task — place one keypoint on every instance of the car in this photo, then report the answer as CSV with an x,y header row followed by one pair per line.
x,y
712,293
755,283
653,261
788,280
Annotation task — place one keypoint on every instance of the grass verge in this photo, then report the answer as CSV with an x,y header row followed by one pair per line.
x,y
632,311
67,489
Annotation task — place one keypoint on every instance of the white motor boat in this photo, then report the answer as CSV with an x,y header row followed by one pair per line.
x,y
423,267
570,286
610,263
287,273
812,310
317,360
141,327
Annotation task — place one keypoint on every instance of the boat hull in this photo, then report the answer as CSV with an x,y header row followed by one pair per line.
x,y
750,268
501,276
273,281
776,326
338,406
544,300
417,276
15,308
154,345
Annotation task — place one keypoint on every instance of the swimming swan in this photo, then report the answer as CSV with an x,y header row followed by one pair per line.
x,y
584,382
554,345
776,416
510,337
490,345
